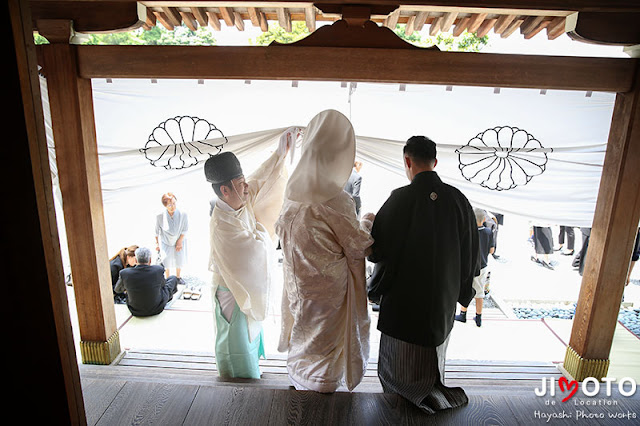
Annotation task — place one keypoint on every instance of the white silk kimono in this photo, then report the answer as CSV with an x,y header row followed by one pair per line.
x,y
325,319
242,253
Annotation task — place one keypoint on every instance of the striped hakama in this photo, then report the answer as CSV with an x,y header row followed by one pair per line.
x,y
417,373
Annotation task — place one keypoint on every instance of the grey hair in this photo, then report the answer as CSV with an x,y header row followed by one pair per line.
x,y
481,215
143,255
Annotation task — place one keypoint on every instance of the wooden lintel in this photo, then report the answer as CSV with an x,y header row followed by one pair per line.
x,y
476,21
284,19
227,16
189,20
200,16
214,21
310,18
374,65
447,21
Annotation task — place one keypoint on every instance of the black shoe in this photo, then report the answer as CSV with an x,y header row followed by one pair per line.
x,y
180,280
479,320
535,259
462,317
546,265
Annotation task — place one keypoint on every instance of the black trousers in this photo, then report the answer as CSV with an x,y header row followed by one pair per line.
x,y
571,237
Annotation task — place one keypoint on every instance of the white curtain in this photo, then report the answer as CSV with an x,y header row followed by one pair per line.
x,y
571,129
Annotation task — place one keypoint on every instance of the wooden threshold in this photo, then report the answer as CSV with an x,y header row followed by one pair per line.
x,y
201,368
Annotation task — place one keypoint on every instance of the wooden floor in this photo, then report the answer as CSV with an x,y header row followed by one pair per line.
x,y
169,388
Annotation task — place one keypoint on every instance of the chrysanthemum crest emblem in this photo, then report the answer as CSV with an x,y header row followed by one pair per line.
x,y
502,158
183,141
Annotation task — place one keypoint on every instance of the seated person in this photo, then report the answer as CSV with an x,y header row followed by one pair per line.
x,y
125,258
147,289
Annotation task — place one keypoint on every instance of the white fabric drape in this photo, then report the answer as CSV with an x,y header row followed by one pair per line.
x,y
571,127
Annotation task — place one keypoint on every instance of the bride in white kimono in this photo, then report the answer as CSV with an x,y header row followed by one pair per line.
x,y
325,319
243,255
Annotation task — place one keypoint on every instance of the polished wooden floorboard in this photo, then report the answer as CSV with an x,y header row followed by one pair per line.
x,y
169,388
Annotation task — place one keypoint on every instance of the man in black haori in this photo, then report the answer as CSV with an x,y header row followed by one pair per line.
x,y
426,240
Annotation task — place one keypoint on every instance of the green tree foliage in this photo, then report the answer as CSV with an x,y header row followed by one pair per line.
x,y
466,42
157,35
276,32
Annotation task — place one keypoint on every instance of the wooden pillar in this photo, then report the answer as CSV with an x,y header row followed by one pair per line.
x,y
71,103
40,351
613,233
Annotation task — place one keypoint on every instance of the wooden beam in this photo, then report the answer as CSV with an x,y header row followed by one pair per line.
x,y
447,21
91,16
461,26
435,26
173,16
486,27
615,224
214,21
421,18
200,15
392,19
253,16
512,28
284,19
151,18
373,65
164,20
227,16
608,28
189,20
310,18
530,23
556,27
264,25
503,23
410,26
541,26
239,23
476,21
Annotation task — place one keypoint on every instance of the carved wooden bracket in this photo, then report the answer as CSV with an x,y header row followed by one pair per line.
x,y
341,34
355,29
56,30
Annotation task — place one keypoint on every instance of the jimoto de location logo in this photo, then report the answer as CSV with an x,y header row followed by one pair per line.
x,y
578,399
